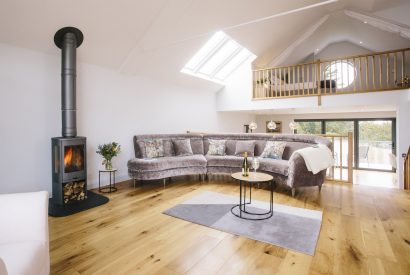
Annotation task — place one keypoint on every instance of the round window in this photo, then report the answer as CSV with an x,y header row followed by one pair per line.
x,y
342,72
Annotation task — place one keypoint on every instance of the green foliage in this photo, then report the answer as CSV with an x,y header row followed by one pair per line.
x,y
109,150
339,127
309,127
371,131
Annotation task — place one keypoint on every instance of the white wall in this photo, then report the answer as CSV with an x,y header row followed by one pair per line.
x,y
111,107
340,49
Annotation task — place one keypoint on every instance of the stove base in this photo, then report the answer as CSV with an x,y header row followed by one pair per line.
x,y
93,200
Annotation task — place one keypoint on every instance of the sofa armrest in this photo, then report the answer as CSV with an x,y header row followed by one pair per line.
x,y
299,175
24,217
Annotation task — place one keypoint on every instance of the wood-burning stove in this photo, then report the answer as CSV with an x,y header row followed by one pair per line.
x,y
69,158
69,169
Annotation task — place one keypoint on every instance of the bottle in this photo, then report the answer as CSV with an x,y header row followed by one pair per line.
x,y
245,168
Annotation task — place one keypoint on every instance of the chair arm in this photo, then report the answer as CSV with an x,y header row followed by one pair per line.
x,y
24,217
299,175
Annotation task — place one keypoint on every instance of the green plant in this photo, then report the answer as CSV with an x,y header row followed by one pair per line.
x,y
108,151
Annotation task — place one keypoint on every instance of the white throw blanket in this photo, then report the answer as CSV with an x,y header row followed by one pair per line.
x,y
317,158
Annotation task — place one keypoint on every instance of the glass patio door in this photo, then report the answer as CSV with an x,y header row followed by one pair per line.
x,y
376,145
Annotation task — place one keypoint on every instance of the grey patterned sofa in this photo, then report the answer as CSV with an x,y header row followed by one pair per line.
x,y
290,170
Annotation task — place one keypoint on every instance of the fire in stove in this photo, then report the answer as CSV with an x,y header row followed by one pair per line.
x,y
73,158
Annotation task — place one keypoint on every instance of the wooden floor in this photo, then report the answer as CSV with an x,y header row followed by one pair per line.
x,y
365,230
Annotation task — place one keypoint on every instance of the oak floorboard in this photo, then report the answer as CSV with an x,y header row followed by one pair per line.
x,y
365,230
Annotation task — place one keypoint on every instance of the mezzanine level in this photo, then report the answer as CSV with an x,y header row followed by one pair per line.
x,y
383,71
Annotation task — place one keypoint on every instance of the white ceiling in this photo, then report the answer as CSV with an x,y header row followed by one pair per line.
x,y
157,37
341,28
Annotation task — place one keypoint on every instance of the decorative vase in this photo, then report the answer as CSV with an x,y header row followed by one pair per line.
x,y
108,164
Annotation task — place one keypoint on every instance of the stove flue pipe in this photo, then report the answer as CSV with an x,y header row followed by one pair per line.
x,y
68,39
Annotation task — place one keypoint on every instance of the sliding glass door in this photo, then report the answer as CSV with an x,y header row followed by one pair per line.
x,y
376,145
374,140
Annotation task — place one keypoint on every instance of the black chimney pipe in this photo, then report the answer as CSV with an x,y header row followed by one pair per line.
x,y
68,39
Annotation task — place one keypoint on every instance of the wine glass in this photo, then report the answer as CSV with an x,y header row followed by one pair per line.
x,y
255,163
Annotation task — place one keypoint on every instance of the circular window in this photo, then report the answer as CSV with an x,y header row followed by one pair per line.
x,y
342,72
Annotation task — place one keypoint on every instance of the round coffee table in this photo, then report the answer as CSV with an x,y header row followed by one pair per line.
x,y
254,177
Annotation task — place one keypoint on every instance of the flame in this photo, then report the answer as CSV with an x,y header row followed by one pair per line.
x,y
78,160
68,156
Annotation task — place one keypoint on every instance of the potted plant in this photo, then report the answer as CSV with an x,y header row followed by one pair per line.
x,y
108,151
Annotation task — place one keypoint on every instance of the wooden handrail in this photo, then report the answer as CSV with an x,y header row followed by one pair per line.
x,y
382,71
336,59
407,171
367,55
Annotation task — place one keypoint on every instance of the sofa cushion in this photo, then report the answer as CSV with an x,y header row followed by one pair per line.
x,y
159,164
154,148
197,145
224,161
277,166
243,146
216,147
273,149
24,257
182,147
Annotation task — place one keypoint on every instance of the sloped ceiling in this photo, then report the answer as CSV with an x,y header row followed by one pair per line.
x,y
157,37
340,28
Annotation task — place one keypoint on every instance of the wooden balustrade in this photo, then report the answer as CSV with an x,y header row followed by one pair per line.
x,y
381,71
342,169
407,171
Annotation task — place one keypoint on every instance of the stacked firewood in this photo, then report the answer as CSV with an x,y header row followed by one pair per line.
x,y
74,191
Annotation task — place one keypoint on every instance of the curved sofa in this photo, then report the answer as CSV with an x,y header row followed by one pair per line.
x,y
290,170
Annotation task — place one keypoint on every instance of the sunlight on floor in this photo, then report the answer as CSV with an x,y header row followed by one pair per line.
x,y
370,178
375,178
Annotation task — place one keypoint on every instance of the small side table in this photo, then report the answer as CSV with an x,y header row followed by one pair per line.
x,y
254,177
110,188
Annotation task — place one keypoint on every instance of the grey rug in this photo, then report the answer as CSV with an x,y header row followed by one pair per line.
x,y
290,227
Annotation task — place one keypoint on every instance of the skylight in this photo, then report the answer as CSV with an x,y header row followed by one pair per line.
x,y
217,59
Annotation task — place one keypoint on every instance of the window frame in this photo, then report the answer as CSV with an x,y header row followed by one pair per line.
x,y
196,70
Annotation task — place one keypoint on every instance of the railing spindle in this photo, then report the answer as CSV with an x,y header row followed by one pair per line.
x,y
367,73
360,74
303,80
388,70
331,78
374,72
395,68
380,71
280,82
293,74
308,79
325,76
402,65
298,80
288,82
